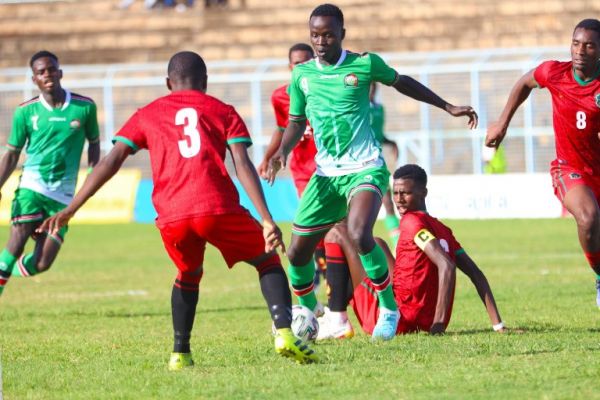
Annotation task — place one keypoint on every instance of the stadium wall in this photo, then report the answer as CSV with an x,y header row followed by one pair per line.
x,y
128,198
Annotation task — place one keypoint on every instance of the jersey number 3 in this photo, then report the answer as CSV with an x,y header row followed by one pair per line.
x,y
190,146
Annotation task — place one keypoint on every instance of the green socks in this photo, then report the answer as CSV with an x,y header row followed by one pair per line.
x,y
302,281
376,267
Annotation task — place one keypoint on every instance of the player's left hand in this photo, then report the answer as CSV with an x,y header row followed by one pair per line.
x,y
53,224
273,236
437,329
460,111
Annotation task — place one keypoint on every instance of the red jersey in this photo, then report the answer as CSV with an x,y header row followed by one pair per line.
x,y
187,133
302,162
576,115
415,275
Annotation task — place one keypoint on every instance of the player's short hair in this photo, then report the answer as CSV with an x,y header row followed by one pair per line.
x,y
591,24
42,54
301,47
329,10
412,171
186,65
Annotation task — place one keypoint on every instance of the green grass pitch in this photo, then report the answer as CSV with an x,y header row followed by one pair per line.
x,y
98,326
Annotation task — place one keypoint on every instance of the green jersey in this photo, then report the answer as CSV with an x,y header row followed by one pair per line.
x,y
377,121
53,139
335,99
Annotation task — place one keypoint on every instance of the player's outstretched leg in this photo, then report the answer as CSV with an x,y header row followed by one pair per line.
x,y
7,262
334,324
364,207
184,299
302,271
275,289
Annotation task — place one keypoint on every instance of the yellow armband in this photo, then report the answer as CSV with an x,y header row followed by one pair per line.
x,y
423,237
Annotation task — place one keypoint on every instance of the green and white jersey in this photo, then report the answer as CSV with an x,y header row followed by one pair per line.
x,y
377,121
335,99
53,139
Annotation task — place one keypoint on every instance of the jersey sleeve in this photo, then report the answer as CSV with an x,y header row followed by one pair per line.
x,y
92,132
281,113
18,133
414,229
381,72
542,73
297,96
132,133
236,131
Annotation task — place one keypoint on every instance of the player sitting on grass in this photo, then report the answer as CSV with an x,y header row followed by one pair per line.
x,y
332,92
424,271
187,134
52,128
575,89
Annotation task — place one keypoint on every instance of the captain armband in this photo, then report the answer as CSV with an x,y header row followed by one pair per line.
x,y
422,238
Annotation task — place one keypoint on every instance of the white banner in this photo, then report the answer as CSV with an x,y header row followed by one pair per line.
x,y
492,196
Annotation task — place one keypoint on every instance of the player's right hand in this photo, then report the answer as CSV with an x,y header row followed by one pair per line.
x,y
53,224
495,134
263,168
276,163
273,236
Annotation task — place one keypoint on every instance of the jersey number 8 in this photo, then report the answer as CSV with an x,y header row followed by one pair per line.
x,y
190,146
581,123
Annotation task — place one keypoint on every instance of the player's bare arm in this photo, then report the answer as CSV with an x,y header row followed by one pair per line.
x,y
414,89
8,163
469,268
93,153
519,93
273,146
446,279
248,177
292,135
104,170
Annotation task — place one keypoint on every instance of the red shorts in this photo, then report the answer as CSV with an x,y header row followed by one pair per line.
x,y
412,318
300,181
565,177
238,237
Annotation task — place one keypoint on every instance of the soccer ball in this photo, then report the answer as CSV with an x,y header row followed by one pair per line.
x,y
304,323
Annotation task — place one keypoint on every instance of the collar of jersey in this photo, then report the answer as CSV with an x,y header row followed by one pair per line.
x,y
584,83
337,64
65,104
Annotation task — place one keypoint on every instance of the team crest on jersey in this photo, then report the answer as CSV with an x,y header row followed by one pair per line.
x,y
574,175
351,81
597,99
75,124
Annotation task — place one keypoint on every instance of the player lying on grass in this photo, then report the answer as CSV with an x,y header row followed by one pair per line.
x,y
332,92
575,89
52,128
423,272
187,134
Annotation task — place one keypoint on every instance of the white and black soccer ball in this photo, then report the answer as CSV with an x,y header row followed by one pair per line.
x,y
304,323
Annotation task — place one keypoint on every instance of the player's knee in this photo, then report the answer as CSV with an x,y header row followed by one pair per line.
x,y
361,238
190,277
297,256
272,261
335,235
588,219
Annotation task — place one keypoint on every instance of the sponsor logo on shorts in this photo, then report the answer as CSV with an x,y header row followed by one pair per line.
x,y
574,175
368,178
75,124
597,99
351,81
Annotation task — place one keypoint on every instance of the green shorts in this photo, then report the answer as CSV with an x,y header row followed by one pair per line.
x,y
325,199
33,207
